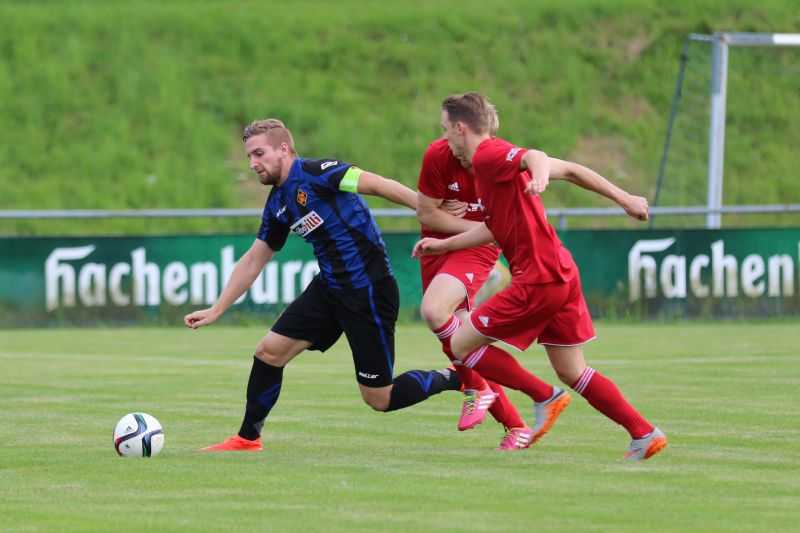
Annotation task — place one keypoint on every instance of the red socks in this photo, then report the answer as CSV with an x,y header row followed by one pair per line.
x,y
603,395
498,365
502,409
469,378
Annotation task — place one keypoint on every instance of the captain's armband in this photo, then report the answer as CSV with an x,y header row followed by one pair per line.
x,y
349,181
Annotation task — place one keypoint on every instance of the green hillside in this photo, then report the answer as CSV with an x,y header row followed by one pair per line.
x,y
141,105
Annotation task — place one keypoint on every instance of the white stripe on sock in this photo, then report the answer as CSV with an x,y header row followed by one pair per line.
x,y
584,380
473,359
448,332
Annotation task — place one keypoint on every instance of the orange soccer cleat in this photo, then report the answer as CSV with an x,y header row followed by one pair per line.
x,y
647,446
236,444
546,413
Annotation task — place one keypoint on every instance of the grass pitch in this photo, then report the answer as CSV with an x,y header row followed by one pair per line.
x,y
725,394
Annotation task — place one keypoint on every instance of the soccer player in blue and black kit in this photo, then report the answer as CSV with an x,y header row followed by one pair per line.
x,y
355,292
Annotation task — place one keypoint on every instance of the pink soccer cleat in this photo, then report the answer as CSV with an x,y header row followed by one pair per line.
x,y
516,439
476,403
236,444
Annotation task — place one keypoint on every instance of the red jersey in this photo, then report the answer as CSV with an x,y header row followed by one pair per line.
x,y
517,219
443,177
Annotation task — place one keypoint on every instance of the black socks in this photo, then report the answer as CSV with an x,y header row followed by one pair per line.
x,y
263,389
415,386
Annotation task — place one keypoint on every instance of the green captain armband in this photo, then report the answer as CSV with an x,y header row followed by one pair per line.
x,y
349,181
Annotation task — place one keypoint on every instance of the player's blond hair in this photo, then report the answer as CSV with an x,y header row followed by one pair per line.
x,y
275,131
473,109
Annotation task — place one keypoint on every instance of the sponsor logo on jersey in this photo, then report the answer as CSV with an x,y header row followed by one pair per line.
x,y
307,224
454,187
472,208
470,276
302,197
328,164
484,320
368,376
280,211
511,153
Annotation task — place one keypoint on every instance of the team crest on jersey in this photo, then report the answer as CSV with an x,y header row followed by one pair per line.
x,y
307,224
302,197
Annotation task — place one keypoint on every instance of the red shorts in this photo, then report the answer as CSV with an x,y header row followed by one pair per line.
x,y
553,313
470,266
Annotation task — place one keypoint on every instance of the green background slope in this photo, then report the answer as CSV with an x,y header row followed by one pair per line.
x,y
141,105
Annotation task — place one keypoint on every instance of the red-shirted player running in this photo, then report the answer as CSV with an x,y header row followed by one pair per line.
x,y
544,301
450,283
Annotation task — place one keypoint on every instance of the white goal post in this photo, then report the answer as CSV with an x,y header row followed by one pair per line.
x,y
720,43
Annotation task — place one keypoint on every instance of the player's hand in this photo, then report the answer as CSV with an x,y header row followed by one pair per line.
x,y
455,207
636,207
200,318
537,184
429,246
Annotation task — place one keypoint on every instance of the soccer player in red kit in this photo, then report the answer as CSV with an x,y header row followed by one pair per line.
x,y
450,283
544,302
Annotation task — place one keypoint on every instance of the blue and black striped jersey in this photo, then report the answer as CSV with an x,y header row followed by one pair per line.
x,y
318,202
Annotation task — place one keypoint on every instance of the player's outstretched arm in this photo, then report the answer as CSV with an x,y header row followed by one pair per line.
x,y
244,274
394,191
475,237
431,213
634,206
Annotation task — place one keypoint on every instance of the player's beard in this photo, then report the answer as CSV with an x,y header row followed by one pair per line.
x,y
270,177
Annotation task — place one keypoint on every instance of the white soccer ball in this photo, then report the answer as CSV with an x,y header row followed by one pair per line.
x,y
138,435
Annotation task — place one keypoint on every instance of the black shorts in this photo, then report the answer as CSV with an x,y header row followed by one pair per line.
x,y
366,316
